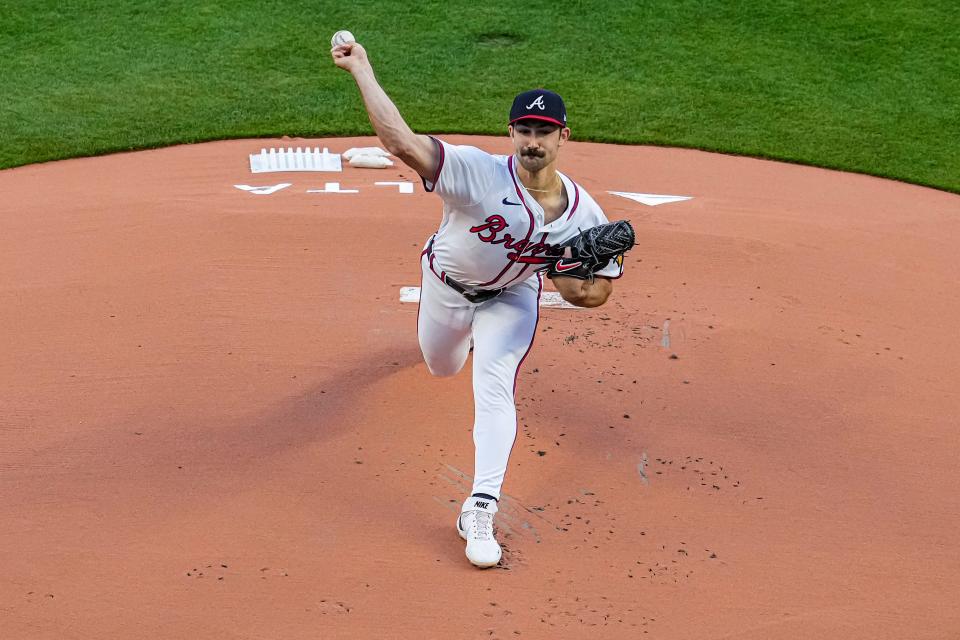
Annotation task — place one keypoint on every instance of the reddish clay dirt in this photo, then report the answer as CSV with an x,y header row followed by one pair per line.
x,y
216,423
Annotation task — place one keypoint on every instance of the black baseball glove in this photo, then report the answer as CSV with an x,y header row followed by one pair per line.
x,y
593,248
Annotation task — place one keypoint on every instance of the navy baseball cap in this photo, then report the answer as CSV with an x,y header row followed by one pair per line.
x,y
539,104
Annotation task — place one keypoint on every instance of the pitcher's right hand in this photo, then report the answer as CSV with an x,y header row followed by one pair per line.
x,y
351,57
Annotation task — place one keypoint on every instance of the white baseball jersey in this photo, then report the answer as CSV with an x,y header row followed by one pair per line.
x,y
492,233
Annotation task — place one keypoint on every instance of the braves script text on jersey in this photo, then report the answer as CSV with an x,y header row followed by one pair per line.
x,y
492,235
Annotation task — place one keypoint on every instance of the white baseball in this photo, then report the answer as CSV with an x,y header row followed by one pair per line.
x,y
341,37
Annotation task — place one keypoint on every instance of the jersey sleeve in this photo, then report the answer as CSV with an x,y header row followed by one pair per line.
x,y
464,173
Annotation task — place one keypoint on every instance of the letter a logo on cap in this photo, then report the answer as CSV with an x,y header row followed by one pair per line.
x,y
537,103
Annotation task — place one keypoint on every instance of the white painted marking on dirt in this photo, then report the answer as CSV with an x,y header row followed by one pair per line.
x,y
650,199
665,341
403,187
549,299
299,159
642,469
263,191
332,187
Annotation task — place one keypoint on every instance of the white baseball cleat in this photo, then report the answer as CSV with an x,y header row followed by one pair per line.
x,y
475,525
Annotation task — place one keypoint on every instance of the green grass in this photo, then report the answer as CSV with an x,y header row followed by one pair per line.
x,y
867,86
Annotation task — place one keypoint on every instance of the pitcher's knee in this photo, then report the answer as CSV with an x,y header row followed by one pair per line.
x,y
442,367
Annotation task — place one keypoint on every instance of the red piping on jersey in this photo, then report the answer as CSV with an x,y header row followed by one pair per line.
x,y
429,250
439,275
439,168
535,323
576,199
517,372
526,240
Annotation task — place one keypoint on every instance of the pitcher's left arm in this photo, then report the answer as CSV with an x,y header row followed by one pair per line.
x,y
583,293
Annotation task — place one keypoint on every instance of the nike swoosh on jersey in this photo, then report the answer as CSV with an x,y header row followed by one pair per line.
x,y
516,204
566,266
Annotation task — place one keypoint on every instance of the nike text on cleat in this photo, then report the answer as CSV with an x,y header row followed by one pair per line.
x,y
515,204
475,525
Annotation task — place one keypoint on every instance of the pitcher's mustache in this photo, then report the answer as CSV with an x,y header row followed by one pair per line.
x,y
537,153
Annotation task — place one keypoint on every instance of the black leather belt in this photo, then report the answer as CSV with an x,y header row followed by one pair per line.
x,y
475,296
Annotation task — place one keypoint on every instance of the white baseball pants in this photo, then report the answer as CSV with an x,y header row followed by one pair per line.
x,y
502,329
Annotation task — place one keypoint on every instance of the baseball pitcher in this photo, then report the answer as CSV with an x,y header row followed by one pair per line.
x,y
507,222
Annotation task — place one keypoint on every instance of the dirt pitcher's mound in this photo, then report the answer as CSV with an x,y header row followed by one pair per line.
x,y
215,423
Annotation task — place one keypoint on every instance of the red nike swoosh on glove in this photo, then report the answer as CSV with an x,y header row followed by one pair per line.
x,y
563,266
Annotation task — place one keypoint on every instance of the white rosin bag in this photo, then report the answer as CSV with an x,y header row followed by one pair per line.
x,y
364,151
370,162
